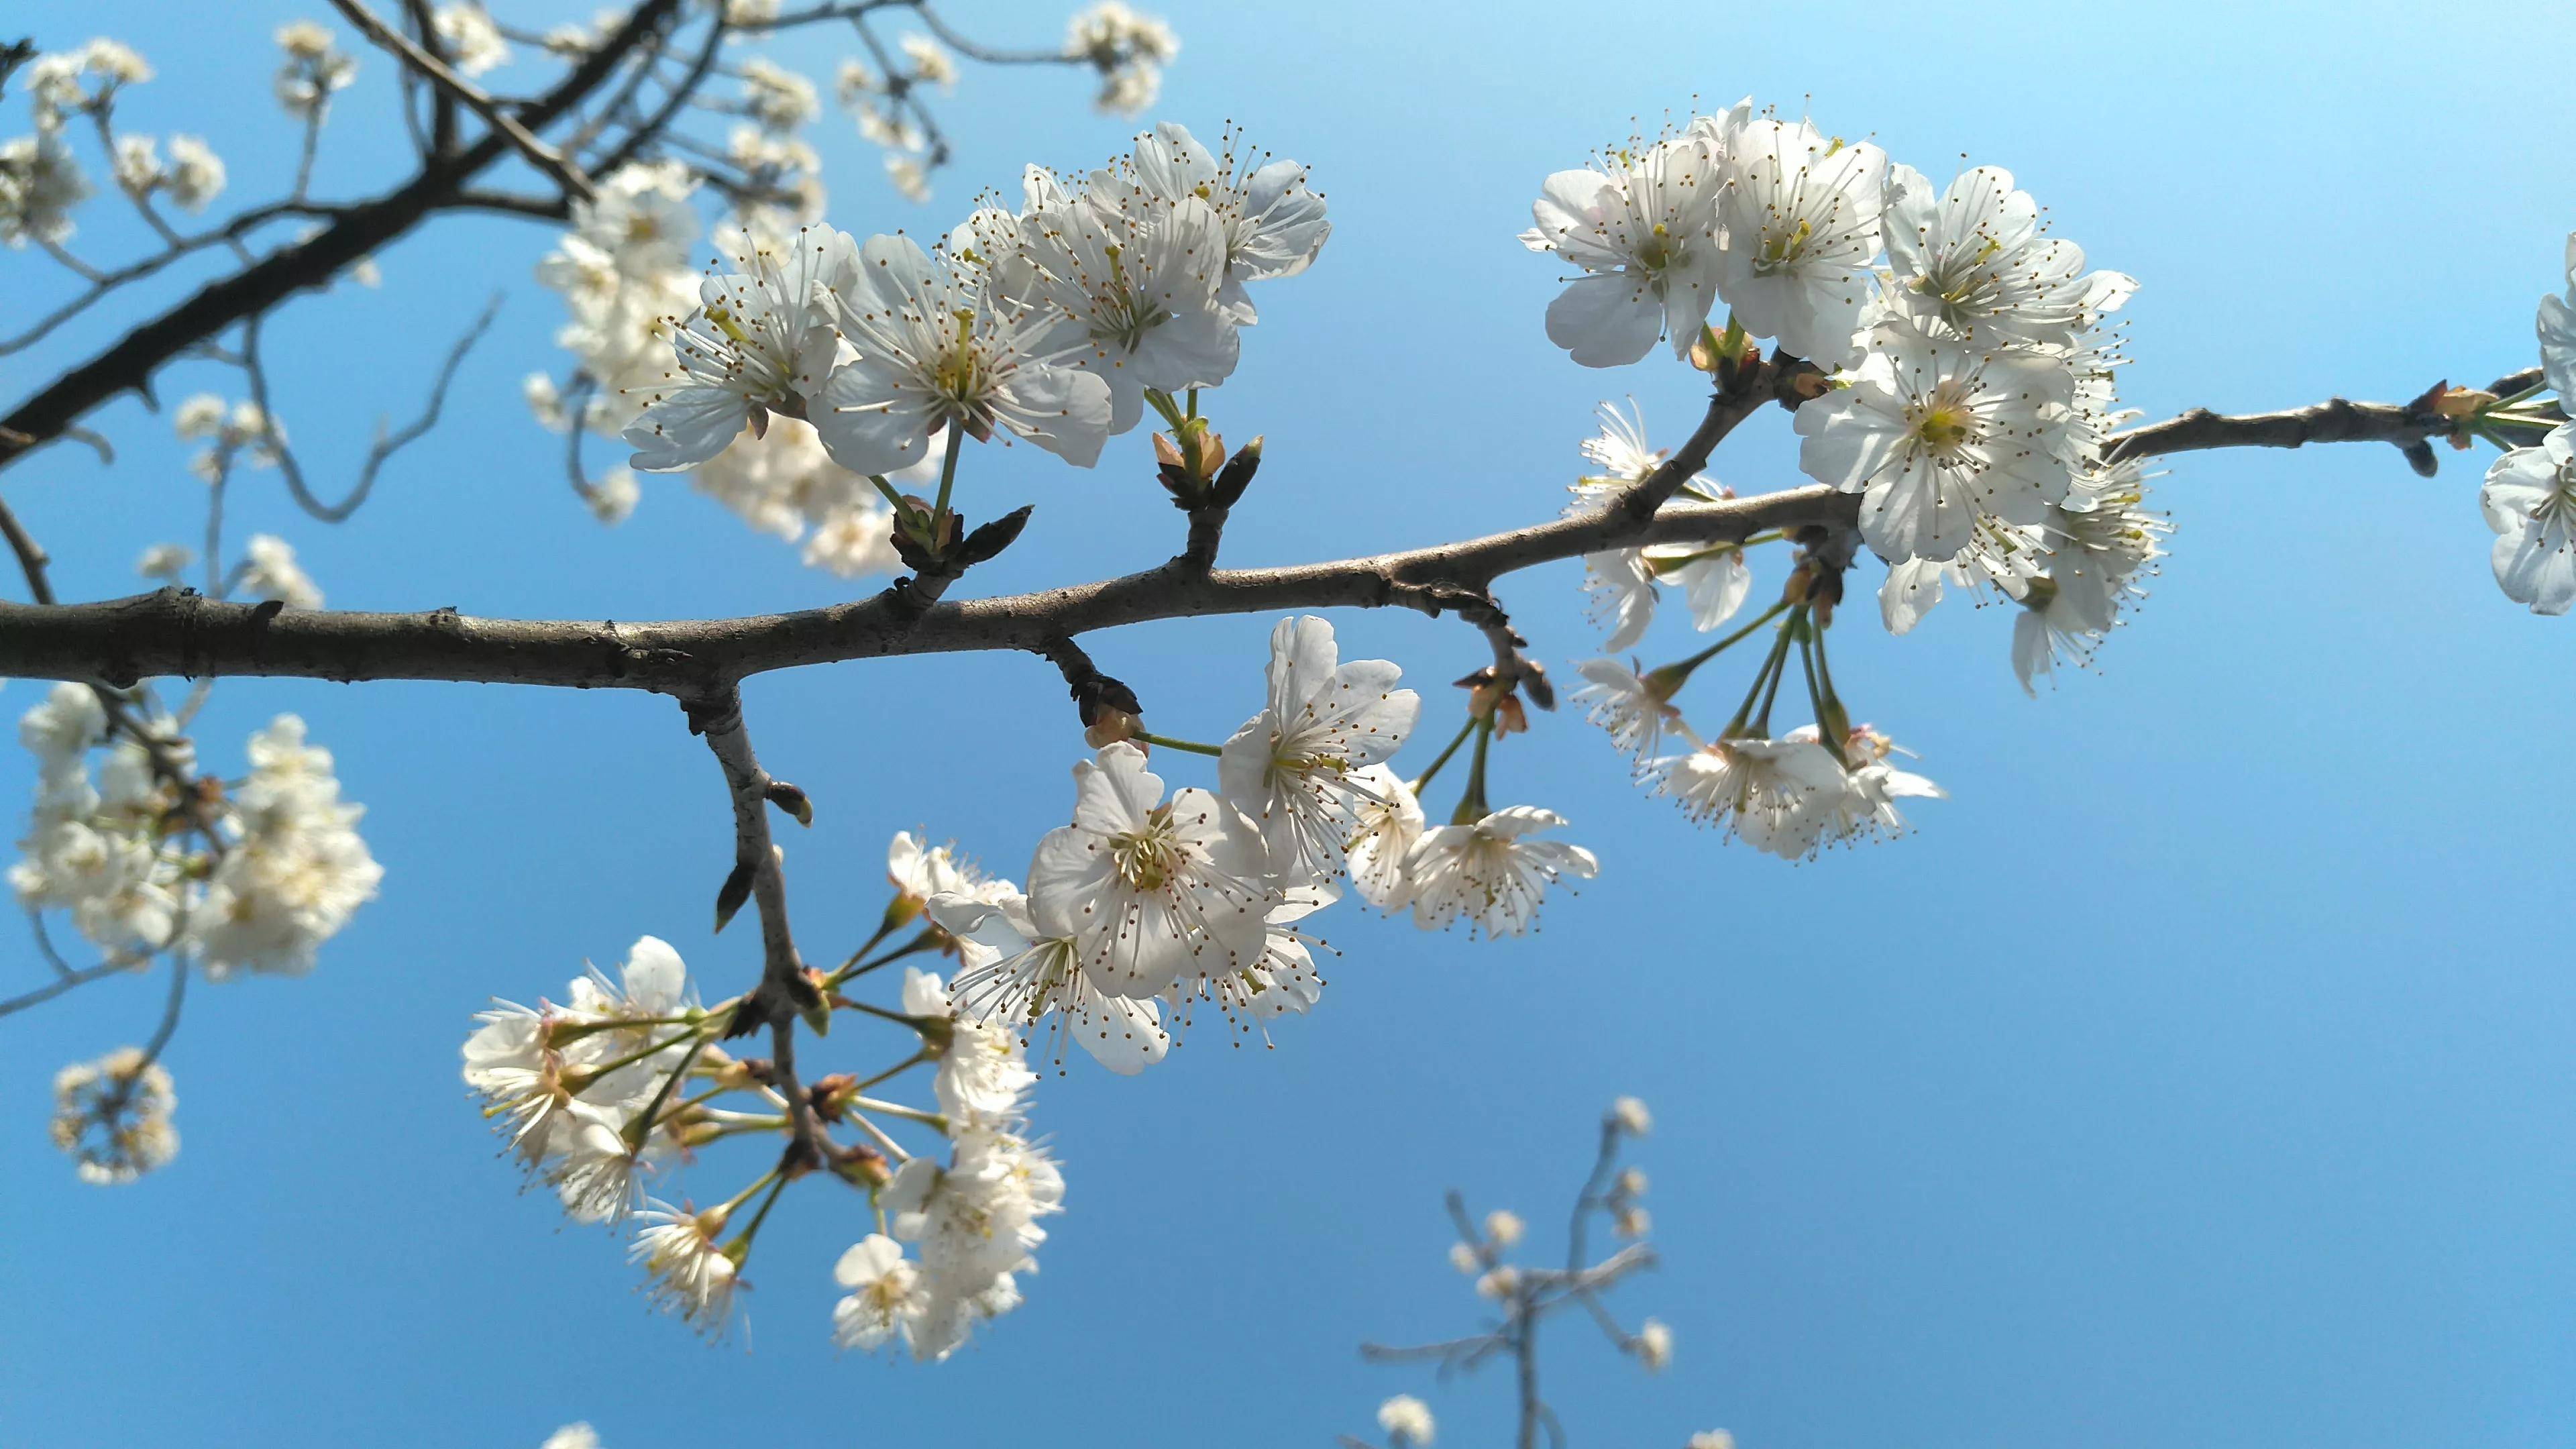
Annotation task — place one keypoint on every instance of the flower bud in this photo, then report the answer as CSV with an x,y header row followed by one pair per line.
x,y
792,800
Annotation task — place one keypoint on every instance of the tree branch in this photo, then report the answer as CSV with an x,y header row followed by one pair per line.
x,y
361,229
449,83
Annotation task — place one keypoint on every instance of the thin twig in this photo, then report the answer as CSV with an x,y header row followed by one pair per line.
x,y
540,155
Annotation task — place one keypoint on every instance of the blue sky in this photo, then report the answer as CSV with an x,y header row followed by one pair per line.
x,y
2197,1073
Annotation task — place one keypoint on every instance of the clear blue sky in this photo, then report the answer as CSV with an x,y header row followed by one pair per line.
x,y
2197,1074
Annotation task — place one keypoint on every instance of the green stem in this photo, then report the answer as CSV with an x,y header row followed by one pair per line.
x,y
898,1069
1795,629
854,968
878,1011
641,1131
947,481
1471,805
1168,743
1424,779
1770,666
590,1075
1682,668
897,1109
740,1247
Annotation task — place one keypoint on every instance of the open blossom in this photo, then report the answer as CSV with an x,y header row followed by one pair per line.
x,y
2530,501
761,338
1801,214
1631,707
313,69
688,1271
1130,296
1388,821
982,1075
1147,889
975,1223
1293,767
1128,48
1937,436
1866,808
2557,325
1976,261
934,353
887,1296
1641,224
1621,590
1020,981
1492,873
1771,794
1273,225
113,1116
195,175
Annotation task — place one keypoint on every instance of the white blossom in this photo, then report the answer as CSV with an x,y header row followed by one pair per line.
x,y
1128,48
1866,808
1293,767
313,70
1633,708
1976,261
1492,873
2557,326
760,339
1641,224
271,572
40,183
1018,980
113,1116
1130,296
296,870
165,561
2530,501
1771,794
195,175
982,1076
687,1270
887,1296
1388,822
934,353
1653,1345
1801,214
1631,1115
1273,224
1146,889
1407,1421
472,42
1936,435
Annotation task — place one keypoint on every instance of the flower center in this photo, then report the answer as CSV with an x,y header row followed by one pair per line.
x,y
1147,859
1942,426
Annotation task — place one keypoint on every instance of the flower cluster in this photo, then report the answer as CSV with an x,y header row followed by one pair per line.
x,y
1129,50
146,859
312,71
41,180
113,1116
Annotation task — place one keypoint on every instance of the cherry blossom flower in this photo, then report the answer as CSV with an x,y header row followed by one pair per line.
x,y
1131,298
113,1116
472,42
1866,808
2530,501
1389,820
1771,794
1293,766
1407,1422
1273,224
1017,980
934,353
1626,704
1801,214
1977,262
761,339
1492,873
2557,326
1641,224
1936,436
1146,889
887,1296
982,1077
688,1272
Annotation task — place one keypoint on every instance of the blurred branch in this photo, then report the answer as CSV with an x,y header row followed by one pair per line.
x,y
387,443
449,84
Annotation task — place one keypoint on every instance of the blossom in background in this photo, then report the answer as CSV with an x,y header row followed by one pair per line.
x,y
2530,501
1294,767
269,571
296,869
1407,1422
1492,873
113,1116
1128,48
313,69
572,1436
1641,225
40,183
472,42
